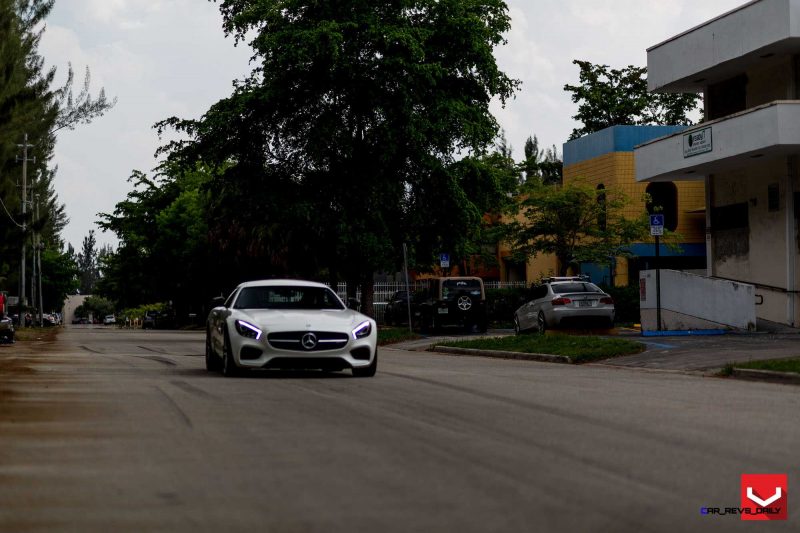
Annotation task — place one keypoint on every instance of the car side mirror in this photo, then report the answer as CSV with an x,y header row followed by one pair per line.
x,y
217,302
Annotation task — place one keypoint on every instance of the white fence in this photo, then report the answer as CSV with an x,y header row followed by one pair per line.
x,y
385,290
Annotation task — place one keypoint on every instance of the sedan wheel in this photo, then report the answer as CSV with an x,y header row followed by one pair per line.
x,y
542,322
229,368
212,360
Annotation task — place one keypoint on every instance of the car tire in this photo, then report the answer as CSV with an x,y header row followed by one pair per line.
x,y
212,359
229,368
517,329
542,322
369,371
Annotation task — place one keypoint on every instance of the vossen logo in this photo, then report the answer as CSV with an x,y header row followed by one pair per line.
x,y
766,495
763,497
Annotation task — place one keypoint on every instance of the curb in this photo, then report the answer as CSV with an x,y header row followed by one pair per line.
x,y
499,354
767,375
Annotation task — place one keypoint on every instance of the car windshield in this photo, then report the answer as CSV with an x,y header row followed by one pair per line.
x,y
459,287
565,288
287,297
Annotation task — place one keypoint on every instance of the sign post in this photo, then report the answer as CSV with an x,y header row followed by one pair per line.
x,y
657,230
408,288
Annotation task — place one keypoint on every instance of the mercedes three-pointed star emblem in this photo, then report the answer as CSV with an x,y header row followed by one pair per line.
x,y
309,341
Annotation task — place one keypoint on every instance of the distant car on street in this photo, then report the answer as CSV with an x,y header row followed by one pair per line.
x,y
289,324
6,330
562,300
109,319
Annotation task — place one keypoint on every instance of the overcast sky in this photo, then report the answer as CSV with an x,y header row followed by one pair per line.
x,y
165,58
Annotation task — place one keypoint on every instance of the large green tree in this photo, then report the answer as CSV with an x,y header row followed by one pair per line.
x,y
576,223
619,97
341,144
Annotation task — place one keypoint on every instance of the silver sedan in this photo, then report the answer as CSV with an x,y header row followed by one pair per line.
x,y
560,300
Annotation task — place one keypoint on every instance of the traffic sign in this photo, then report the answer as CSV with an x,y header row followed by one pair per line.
x,y
656,225
444,260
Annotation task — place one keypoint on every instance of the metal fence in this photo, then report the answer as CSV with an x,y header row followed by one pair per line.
x,y
385,290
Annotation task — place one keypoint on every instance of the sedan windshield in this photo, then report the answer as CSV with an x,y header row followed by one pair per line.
x,y
566,288
287,297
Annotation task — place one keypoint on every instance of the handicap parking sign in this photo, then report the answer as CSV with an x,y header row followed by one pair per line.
x,y
656,225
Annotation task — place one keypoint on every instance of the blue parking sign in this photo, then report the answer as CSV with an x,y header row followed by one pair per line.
x,y
656,225
444,260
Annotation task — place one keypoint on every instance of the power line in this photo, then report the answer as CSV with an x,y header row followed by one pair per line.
x,y
9,215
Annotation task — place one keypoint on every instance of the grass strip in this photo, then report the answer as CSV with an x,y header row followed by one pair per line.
x,y
579,349
775,365
395,335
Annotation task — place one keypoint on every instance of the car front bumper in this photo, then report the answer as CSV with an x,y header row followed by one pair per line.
x,y
252,353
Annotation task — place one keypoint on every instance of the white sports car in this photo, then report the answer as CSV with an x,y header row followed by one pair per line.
x,y
289,324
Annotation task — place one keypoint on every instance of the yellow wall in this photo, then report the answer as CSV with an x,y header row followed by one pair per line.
x,y
616,170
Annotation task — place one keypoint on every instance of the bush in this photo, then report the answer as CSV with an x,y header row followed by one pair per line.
x,y
626,303
135,313
501,303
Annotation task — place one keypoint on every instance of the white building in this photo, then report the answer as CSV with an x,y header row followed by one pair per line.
x,y
747,65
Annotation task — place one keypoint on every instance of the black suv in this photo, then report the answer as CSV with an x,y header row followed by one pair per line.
x,y
453,301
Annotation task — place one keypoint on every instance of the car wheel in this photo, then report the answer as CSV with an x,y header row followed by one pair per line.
x,y
517,330
229,368
542,322
369,371
212,360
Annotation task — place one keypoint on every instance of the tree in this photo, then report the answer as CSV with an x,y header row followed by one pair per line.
x,y
87,264
616,97
32,104
347,131
577,223
542,165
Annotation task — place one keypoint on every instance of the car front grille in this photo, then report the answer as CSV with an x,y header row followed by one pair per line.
x,y
307,341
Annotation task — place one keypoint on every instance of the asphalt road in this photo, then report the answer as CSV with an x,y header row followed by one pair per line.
x,y
111,430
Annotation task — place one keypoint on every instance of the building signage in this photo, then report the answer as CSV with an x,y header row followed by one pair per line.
x,y
697,142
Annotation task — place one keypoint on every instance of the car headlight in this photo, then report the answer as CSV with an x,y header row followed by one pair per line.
x,y
362,330
246,329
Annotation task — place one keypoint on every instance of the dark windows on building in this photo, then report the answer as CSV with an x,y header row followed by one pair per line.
x,y
774,197
664,199
727,97
602,212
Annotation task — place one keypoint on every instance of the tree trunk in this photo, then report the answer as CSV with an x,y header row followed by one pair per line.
x,y
368,297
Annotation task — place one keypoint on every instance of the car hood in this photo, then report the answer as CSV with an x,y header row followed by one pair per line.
x,y
322,320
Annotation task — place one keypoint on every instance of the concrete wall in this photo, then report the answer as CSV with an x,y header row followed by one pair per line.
x,y
737,37
696,302
70,305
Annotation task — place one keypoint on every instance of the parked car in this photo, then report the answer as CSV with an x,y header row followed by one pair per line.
x,y
6,330
150,320
561,300
459,301
397,309
109,319
289,324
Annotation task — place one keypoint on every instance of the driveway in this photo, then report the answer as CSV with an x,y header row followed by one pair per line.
x,y
695,353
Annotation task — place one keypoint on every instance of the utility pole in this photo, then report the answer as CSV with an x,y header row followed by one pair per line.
x,y
22,297
39,267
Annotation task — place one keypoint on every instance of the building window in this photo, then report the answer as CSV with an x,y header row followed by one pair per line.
x,y
602,212
664,199
774,197
727,97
